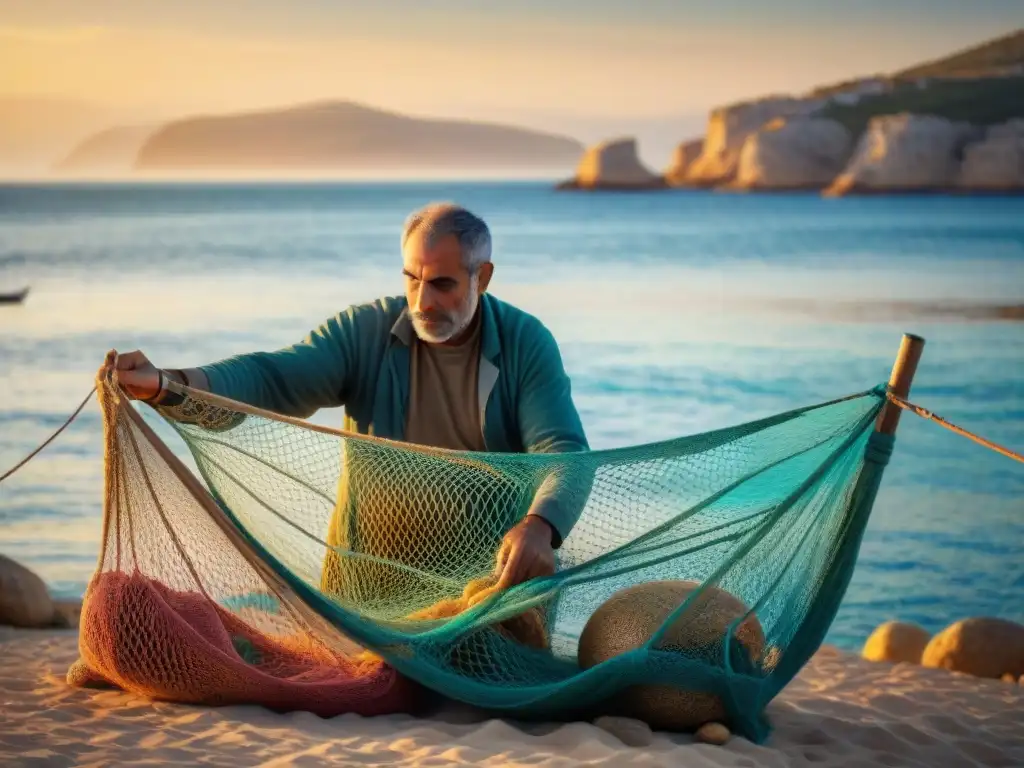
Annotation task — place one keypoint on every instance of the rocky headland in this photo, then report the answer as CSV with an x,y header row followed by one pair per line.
x,y
953,126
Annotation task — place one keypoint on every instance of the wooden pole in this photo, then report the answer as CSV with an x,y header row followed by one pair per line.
x,y
902,376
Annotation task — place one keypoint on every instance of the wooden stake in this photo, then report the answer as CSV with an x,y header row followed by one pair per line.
x,y
902,376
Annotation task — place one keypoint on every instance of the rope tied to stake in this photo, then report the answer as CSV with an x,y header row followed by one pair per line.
x,y
927,415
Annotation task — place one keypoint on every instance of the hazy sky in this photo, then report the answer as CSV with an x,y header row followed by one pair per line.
x,y
562,59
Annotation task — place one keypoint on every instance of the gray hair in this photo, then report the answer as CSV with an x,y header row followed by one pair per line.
x,y
441,219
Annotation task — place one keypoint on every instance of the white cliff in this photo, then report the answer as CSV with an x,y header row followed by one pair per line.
x,y
729,128
798,153
905,153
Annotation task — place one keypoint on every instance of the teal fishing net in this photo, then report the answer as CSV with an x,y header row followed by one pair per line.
x,y
702,574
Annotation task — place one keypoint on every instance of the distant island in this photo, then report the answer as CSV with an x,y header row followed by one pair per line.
x,y
954,125
318,139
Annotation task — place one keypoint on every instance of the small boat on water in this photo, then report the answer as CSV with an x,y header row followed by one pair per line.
x,y
14,298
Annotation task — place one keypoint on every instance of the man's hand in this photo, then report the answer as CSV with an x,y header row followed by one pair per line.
x,y
139,377
525,553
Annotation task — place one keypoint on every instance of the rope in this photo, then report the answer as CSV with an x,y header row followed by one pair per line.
x,y
894,399
924,413
48,440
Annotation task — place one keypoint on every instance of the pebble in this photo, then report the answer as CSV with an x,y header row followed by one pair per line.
x,y
713,733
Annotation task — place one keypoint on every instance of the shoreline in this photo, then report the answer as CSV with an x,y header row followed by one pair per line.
x,y
840,710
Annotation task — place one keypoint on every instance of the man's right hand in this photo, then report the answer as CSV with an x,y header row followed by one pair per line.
x,y
139,377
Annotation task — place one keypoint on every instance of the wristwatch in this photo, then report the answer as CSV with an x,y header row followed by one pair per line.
x,y
165,396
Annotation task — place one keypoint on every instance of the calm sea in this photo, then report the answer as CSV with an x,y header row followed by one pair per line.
x,y
676,313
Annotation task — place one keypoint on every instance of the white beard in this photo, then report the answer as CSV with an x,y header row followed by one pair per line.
x,y
453,325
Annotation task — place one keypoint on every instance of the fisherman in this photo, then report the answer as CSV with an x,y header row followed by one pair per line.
x,y
446,365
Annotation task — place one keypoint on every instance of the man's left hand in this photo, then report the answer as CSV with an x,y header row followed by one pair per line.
x,y
525,552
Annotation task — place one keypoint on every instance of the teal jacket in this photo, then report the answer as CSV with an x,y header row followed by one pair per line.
x,y
359,359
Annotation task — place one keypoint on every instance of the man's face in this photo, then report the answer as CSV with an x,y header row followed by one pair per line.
x,y
442,295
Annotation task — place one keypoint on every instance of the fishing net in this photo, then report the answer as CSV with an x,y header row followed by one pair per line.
x,y
307,568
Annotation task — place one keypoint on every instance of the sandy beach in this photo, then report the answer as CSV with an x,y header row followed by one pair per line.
x,y
841,710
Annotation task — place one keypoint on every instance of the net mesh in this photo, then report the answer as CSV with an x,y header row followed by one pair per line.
x,y
319,570
177,611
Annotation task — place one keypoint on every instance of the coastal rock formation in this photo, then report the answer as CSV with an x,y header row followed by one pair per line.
x,y
683,158
799,153
333,137
896,642
24,599
983,647
728,129
905,153
996,163
612,165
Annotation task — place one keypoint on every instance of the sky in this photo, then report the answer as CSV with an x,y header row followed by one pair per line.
x,y
561,64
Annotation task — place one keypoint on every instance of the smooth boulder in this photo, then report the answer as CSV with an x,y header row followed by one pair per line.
x,y
896,642
983,647
630,617
24,599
